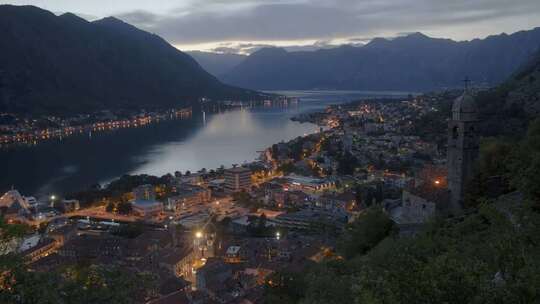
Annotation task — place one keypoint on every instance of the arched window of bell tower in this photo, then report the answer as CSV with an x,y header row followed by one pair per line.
x,y
455,132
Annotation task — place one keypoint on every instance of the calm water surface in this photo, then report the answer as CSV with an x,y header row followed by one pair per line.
x,y
202,141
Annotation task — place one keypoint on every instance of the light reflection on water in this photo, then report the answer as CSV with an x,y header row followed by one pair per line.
x,y
228,138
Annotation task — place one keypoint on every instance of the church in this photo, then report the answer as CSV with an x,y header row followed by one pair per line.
x,y
463,148
425,199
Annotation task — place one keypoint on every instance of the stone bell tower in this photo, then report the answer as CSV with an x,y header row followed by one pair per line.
x,y
463,145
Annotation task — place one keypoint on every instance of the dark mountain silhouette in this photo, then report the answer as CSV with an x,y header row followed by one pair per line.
x,y
63,64
217,63
412,63
508,108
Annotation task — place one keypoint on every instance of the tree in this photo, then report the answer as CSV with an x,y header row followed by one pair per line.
x,y
261,223
131,230
365,233
242,198
287,168
10,233
284,287
525,163
110,207
125,208
347,164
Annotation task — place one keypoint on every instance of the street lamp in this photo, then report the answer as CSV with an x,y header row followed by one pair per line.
x,y
278,235
198,234
52,198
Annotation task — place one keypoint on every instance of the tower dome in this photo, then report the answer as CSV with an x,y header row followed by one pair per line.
x,y
464,107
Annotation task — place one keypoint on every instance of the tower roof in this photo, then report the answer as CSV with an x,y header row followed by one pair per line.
x,y
465,103
464,107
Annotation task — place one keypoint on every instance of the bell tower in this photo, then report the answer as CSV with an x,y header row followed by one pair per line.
x,y
463,147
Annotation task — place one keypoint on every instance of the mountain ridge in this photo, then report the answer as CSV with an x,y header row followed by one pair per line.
x,y
414,62
65,64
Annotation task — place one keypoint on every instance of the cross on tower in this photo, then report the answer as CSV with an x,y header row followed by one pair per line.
x,y
467,82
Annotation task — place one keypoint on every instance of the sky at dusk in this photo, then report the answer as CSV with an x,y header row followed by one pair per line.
x,y
246,25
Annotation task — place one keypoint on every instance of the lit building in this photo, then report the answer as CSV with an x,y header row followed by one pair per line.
x,y
13,205
145,204
304,183
147,209
237,179
144,192
188,195
41,250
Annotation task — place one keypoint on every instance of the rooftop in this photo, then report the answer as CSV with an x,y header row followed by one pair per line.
x,y
145,203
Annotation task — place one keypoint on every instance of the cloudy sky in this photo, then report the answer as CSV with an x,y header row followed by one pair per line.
x,y
244,25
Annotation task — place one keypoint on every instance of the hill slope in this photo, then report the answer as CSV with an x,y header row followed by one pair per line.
x,y
413,63
508,108
60,64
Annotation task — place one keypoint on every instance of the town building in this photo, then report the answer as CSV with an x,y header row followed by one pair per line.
x,y
416,207
237,179
309,219
145,204
71,205
144,192
188,195
44,247
309,184
212,275
13,205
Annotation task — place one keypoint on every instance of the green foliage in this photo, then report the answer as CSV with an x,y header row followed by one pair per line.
x,y
477,260
433,126
330,282
109,207
285,287
525,164
364,233
492,172
347,164
125,208
76,284
287,168
9,233
257,227
116,190
131,230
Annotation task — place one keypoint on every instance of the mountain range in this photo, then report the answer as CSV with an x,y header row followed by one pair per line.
x,y
414,62
64,64
217,63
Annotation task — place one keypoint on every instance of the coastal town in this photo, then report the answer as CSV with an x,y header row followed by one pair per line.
x,y
17,129
269,152
217,236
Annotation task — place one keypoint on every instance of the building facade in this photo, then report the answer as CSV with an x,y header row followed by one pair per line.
x,y
237,179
